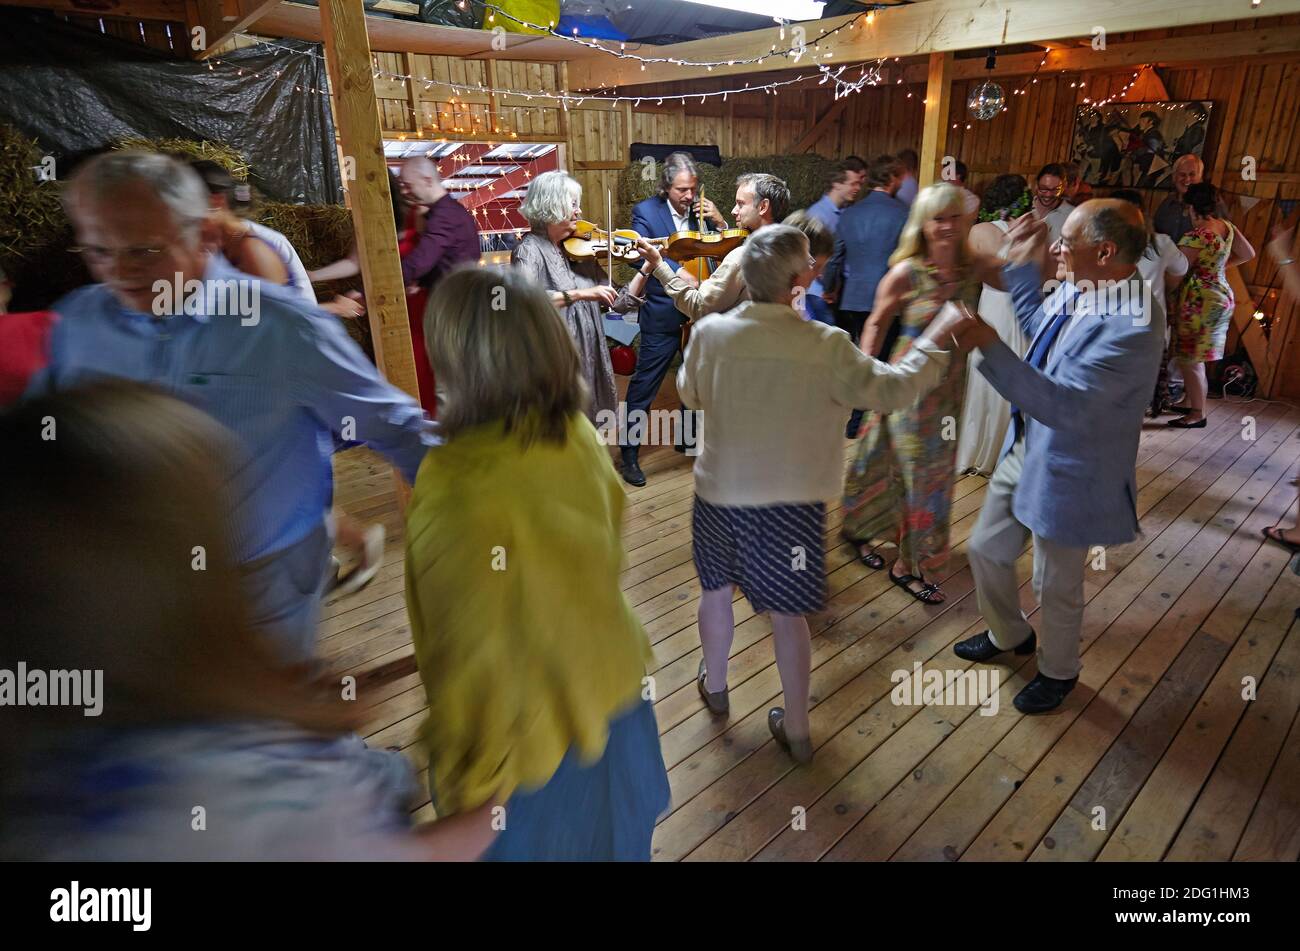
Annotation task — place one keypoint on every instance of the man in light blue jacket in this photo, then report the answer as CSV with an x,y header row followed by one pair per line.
x,y
1067,472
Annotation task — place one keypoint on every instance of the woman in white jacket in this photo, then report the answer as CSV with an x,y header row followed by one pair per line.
x,y
773,389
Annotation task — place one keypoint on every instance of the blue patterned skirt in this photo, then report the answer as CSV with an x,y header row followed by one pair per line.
x,y
775,554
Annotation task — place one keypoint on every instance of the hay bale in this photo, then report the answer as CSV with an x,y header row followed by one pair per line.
x,y
232,161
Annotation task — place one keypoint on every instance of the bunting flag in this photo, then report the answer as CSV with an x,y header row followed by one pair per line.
x,y
1248,202
1287,205
1157,163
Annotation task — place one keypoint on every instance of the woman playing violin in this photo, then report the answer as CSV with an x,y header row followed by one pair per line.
x,y
579,289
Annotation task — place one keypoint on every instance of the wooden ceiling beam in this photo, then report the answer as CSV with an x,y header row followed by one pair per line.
x,y
933,26
222,19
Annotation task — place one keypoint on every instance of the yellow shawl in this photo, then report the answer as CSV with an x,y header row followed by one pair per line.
x,y
525,642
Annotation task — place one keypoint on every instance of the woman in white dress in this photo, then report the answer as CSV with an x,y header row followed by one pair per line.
x,y
985,414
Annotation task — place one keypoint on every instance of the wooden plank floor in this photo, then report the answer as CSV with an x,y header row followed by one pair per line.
x,y
1155,755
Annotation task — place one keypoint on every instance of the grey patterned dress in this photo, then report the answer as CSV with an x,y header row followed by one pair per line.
x,y
548,267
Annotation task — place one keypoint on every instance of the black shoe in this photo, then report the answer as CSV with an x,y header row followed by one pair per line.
x,y
1181,423
1043,693
630,470
981,647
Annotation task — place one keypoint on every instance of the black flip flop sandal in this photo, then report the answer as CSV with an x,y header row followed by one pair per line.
x,y
1274,534
925,595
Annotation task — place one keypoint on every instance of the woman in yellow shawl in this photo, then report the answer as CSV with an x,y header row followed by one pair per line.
x,y
540,726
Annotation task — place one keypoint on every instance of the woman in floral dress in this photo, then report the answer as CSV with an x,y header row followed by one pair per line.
x,y
899,487
1203,303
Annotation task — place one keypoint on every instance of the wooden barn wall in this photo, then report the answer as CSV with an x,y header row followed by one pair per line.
x,y
1262,119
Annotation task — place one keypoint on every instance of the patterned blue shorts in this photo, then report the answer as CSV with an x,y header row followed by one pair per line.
x,y
775,554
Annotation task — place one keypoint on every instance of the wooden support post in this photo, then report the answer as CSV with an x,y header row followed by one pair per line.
x,y
494,107
347,58
934,133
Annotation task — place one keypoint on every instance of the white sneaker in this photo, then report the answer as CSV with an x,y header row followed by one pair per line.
x,y
364,573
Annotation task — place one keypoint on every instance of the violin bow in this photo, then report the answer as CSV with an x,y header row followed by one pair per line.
x,y
609,226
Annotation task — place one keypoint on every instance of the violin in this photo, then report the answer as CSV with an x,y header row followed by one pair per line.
x,y
683,246
589,242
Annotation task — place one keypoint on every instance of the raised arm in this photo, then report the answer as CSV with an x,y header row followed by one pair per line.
x,y
1073,401
716,294
862,381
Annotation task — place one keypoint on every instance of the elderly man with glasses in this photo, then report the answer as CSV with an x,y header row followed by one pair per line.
x,y
282,375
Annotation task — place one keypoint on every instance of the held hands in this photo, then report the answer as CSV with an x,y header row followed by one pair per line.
x,y
1028,239
955,327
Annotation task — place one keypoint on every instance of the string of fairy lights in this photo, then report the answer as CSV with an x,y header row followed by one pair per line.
x,y
869,75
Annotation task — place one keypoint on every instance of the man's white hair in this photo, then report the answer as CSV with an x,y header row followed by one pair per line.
x,y
774,256
177,185
550,199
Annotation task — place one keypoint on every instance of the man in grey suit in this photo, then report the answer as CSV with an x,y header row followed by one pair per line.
x,y
1067,474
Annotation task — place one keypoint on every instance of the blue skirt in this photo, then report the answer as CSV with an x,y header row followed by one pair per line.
x,y
602,812
775,554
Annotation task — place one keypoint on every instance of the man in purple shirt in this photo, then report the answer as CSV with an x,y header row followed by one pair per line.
x,y
450,234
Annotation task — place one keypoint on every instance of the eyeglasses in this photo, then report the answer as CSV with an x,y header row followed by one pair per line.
x,y
135,255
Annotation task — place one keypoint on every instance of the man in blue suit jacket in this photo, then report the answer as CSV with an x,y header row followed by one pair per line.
x,y
865,237
672,210
1067,474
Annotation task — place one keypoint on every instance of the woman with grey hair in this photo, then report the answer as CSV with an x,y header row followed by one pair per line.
x,y
772,388
578,289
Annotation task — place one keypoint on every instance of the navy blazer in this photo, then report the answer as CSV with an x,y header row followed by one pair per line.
x,y
865,237
652,218
1083,413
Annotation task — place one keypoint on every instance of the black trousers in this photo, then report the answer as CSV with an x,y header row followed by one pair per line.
x,y
654,357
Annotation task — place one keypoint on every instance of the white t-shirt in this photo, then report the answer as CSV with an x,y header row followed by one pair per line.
x,y
298,278
1155,263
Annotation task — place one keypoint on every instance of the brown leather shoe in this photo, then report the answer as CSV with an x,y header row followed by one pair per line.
x,y
719,702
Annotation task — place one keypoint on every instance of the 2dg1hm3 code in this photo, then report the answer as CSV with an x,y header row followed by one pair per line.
x,y
1143,894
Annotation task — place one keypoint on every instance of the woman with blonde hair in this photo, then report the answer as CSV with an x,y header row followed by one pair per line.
x,y
579,289
899,486
533,662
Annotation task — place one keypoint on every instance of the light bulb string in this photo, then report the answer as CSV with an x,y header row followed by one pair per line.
x,y
871,76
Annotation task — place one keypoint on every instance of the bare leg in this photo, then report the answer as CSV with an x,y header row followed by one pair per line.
x,y
717,625
791,639
1195,387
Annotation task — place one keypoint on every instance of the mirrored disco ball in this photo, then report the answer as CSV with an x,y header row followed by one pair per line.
x,y
987,100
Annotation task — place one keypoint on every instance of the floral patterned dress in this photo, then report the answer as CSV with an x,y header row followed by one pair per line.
x,y
1203,303
899,486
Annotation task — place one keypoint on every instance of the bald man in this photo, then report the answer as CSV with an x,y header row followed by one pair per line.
x,y
450,234
1067,473
1171,216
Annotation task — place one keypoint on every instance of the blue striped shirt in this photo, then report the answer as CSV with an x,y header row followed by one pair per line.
x,y
286,386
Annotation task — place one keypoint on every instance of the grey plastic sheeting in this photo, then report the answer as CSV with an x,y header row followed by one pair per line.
x,y
75,91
